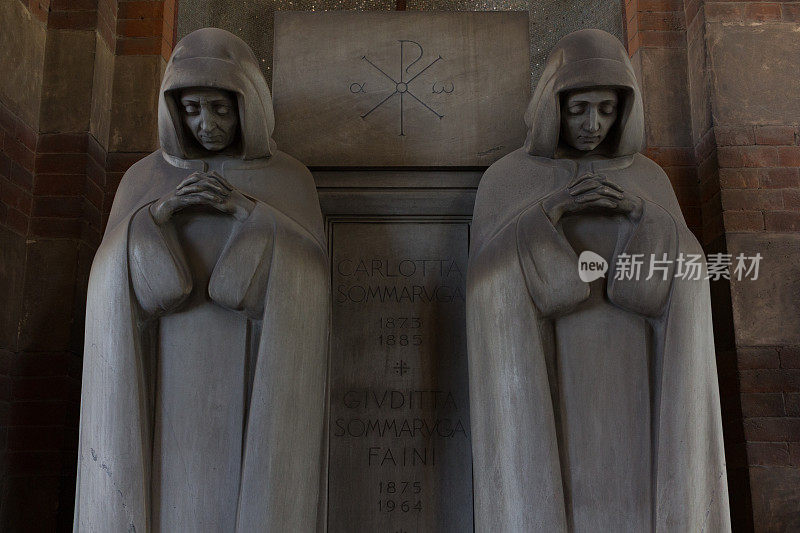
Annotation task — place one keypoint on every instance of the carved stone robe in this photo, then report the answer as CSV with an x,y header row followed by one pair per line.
x,y
594,406
205,356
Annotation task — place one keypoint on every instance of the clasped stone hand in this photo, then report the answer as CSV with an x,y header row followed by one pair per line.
x,y
202,188
591,191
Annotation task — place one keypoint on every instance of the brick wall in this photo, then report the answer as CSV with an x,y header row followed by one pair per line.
x,y
754,54
739,187
759,177
721,95
656,38
667,44
87,69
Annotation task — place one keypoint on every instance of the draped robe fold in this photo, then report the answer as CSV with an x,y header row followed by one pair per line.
x,y
563,440
266,279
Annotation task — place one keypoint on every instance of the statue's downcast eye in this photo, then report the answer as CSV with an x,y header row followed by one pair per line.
x,y
608,108
576,108
219,107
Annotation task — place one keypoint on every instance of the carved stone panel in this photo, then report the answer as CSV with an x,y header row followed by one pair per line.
x,y
399,433
400,88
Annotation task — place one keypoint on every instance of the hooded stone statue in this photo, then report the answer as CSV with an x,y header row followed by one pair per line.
x,y
594,402
202,406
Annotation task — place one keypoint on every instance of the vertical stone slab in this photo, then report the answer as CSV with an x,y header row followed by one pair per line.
x,y
394,92
399,435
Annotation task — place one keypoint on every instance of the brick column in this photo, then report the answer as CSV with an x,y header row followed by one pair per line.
x,y
754,58
667,43
45,94
733,84
77,108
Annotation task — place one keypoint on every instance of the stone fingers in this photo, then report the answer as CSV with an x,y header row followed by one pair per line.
x,y
597,188
222,180
202,197
596,199
205,177
206,185
593,183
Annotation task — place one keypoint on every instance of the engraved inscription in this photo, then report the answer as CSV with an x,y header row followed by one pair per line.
x,y
408,50
399,423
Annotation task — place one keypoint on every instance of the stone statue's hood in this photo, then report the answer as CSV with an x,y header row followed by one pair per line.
x,y
585,58
215,58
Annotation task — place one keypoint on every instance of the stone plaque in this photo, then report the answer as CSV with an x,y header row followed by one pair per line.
x,y
399,433
400,88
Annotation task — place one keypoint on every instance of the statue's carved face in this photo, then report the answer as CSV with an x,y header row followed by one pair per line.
x,y
211,115
586,117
